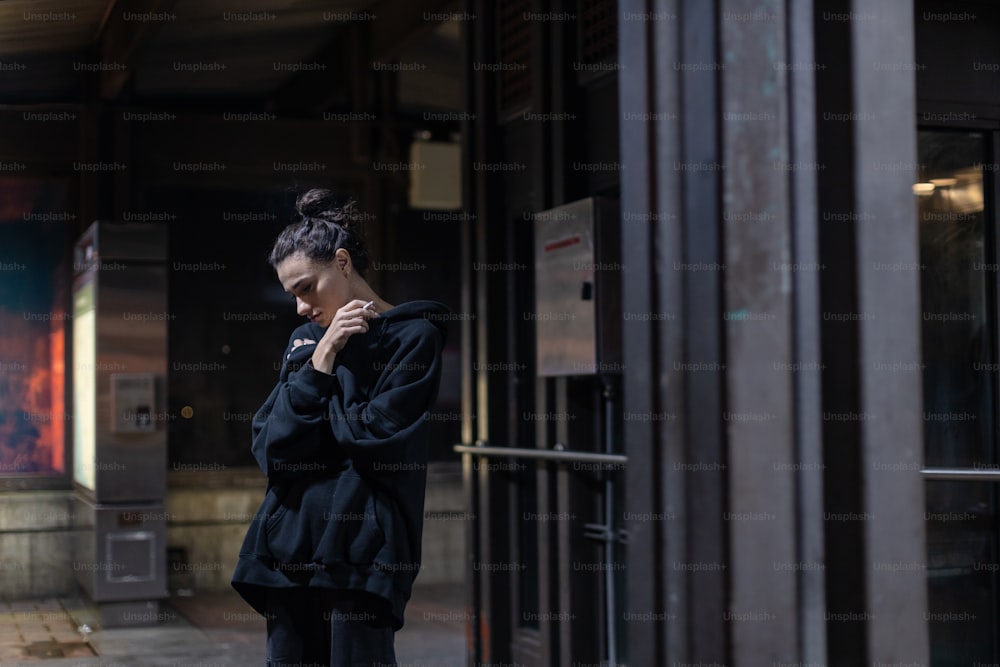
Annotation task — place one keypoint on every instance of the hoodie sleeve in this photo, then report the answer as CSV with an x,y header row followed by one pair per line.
x,y
375,432
287,438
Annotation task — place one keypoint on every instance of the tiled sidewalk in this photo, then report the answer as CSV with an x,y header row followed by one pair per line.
x,y
207,630
38,629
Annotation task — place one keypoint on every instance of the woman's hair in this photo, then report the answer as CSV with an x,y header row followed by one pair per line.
x,y
326,225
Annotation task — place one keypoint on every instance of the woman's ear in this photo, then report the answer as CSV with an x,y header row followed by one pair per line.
x,y
342,258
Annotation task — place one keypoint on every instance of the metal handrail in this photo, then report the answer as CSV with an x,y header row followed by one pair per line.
x,y
962,474
544,454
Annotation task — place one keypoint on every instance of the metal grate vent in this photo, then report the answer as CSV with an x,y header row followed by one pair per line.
x,y
598,31
515,55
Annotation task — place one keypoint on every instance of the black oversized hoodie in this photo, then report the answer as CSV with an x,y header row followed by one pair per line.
x,y
345,456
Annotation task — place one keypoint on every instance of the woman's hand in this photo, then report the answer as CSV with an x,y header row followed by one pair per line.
x,y
351,318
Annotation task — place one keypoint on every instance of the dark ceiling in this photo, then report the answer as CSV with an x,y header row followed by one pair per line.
x,y
298,57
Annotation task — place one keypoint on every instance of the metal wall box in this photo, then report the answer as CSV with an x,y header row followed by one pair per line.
x,y
435,175
120,558
133,400
578,289
119,370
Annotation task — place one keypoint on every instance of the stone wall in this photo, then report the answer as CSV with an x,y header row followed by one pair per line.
x,y
206,524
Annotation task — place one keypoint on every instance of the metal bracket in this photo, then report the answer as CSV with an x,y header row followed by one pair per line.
x,y
603,533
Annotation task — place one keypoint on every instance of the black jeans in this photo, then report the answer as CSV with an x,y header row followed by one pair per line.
x,y
315,627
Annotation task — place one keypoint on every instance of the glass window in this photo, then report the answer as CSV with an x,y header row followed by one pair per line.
x,y
958,291
33,326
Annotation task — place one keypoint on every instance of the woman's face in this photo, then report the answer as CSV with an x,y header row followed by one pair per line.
x,y
319,289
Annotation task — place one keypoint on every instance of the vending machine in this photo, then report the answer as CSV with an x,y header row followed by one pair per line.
x,y
119,370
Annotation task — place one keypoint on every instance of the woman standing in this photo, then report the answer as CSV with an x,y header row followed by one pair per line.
x,y
331,555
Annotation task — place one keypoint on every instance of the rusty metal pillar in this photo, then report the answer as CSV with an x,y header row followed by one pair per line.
x,y
760,273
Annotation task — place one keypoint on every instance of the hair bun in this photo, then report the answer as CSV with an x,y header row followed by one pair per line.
x,y
322,204
328,223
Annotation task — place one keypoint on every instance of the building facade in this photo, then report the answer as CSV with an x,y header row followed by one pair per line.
x,y
720,386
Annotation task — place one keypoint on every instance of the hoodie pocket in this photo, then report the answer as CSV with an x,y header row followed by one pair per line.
x,y
327,521
283,525
353,533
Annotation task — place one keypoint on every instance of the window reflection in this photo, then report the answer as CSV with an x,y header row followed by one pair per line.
x,y
33,324
958,276
957,344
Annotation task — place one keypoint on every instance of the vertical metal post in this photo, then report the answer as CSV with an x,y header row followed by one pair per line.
x,y
807,316
610,587
562,633
698,463
889,360
656,624
475,46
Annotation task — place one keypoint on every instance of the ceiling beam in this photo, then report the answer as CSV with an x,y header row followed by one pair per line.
x,y
126,29
400,23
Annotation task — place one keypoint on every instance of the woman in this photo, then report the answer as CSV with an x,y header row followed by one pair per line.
x,y
331,556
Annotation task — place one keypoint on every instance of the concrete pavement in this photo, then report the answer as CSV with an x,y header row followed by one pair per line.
x,y
202,630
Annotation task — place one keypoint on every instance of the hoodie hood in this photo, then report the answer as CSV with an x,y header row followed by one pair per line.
x,y
434,312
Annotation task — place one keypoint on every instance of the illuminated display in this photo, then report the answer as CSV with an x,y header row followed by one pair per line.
x,y
84,386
